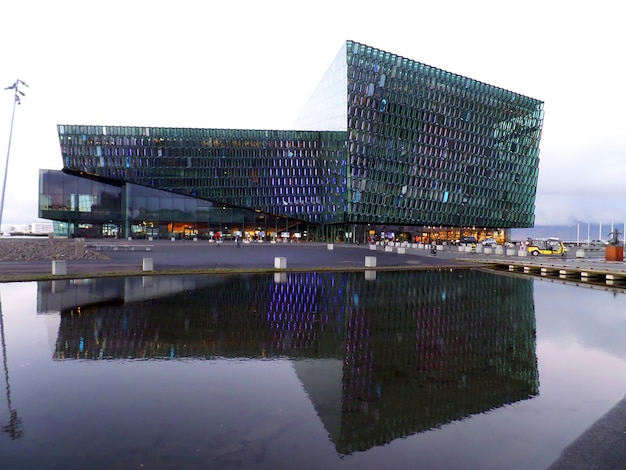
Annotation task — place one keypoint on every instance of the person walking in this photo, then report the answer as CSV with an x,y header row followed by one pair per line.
x,y
218,237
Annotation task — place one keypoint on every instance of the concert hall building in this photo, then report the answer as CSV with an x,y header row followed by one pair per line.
x,y
385,145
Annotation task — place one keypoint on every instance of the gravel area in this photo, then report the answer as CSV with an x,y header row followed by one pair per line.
x,y
45,249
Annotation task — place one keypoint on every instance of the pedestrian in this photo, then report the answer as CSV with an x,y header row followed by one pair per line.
x,y
218,237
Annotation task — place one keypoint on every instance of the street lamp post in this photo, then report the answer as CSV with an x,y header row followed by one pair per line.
x,y
17,94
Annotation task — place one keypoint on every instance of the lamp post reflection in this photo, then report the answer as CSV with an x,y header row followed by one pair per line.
x,y
14,427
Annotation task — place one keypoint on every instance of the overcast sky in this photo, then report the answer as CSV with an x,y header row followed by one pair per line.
x,y
253,64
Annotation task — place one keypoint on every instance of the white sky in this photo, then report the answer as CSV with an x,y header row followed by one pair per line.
x,y
253,64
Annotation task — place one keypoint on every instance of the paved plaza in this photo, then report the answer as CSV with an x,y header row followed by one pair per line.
x,y
165,256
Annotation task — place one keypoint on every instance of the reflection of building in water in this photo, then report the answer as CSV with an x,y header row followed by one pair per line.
x,y
380,360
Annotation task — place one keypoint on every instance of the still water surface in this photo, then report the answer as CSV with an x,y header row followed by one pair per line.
x,y
434,369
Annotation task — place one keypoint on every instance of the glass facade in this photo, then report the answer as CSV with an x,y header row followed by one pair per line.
x,y
388,141
430,147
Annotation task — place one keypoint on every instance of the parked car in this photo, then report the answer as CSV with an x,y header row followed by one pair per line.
x,y
550,246
489,242
468,240
598,243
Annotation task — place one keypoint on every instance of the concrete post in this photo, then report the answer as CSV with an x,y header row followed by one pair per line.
x,y
370,261
147,264
280,263
59,267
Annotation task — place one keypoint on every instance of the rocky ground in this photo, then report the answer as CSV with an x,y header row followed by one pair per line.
x,y
44,249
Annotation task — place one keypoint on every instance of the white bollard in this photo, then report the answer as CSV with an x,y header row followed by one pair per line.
x,y
280,262
370,261
580,253
370,275
147,264
330,246
401,251
372,247
59,267
522,253
388,249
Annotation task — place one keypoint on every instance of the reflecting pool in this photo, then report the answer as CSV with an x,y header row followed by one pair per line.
x,y
437,369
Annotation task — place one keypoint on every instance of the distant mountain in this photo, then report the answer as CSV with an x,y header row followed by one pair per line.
x,y
568,233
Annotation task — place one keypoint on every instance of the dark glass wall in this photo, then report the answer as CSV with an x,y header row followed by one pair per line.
x,y
80,203
85,207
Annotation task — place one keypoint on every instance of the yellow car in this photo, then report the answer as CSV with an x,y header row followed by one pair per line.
x,y
551,246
